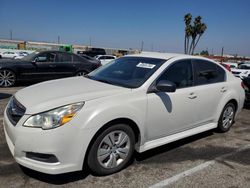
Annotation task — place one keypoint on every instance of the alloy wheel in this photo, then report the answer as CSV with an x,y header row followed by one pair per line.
x,y
80,74
228,116
7,78
113,149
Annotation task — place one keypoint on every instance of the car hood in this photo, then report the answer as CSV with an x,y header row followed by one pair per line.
x,y
52,94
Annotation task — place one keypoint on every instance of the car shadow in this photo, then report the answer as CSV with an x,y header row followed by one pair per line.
x,y
247,107
165,100
171,146
4,95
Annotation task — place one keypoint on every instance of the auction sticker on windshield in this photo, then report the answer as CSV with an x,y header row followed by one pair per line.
x,y
145,65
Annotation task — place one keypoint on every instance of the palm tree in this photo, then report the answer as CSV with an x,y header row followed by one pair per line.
x,y
187,20
193,31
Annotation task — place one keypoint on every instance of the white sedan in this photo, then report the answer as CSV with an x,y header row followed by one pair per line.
x,y
137,102
105,59
242,71
10,55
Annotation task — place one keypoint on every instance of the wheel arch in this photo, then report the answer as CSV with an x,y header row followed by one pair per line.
x,y
126,121
224,103
234,101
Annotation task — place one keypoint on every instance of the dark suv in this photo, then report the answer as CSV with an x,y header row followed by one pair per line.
x,y
45,65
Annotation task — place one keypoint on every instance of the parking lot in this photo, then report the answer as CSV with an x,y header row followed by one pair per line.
x,y
206,160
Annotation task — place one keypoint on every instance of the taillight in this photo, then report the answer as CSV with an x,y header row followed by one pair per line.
x,y
244,86
99,64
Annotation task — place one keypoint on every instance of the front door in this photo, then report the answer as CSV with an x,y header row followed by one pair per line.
x,y
169,113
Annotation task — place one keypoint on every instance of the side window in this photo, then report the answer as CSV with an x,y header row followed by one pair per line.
x,y
46,57
102,57
180,73
64,57
109,57
207,72
77,58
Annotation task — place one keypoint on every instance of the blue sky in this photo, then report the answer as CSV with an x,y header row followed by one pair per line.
x,y
124,24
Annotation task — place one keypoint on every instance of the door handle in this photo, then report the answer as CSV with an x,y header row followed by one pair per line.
x,y
223,89
52,66
192,95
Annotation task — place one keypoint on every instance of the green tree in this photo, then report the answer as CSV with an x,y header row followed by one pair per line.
x,y
204,52
193,32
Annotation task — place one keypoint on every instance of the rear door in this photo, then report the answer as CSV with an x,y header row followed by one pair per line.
x,y
65,65
209,81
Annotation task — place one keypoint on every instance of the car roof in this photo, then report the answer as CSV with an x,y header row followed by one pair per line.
x,y
159,55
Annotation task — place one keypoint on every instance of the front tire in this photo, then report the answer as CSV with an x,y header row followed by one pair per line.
x,y
7,78
112,150
226,118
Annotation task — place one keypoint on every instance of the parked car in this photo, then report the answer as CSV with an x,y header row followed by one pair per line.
x,y
43,66
226,66
242,71
10,55
232,65
137,102
246,85
21,55
92,52
105,58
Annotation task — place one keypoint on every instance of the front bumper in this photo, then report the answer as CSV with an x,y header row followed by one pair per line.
x,y
68,143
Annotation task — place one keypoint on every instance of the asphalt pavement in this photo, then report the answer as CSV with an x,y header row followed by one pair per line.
x,y
209,160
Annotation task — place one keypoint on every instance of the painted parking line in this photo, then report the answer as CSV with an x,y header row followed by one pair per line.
x,y
195,169
182,175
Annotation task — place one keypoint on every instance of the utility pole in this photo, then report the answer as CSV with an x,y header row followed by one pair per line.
x,y
11,34
222,53
90,41
58,39
142,44
152,47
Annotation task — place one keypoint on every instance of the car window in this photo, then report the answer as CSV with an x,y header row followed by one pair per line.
x,y
244,67
76,58
207,72
130,72
46,57
64,57
180,73
102,57
109,57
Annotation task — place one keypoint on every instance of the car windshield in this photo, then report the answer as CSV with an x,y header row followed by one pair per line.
x,y
30,57
130,72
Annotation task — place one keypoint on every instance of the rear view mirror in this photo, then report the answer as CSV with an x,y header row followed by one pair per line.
x,y
166,86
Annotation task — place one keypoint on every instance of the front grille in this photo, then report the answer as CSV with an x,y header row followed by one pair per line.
x,y
15,111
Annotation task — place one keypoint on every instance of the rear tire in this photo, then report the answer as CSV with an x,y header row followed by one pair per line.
x,y
112,150
226,118
7,78
81,73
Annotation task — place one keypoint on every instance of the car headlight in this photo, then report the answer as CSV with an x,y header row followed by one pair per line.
x,y
54,118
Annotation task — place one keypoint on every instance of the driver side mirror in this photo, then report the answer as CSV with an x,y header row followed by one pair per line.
x,y
166,86
163,86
